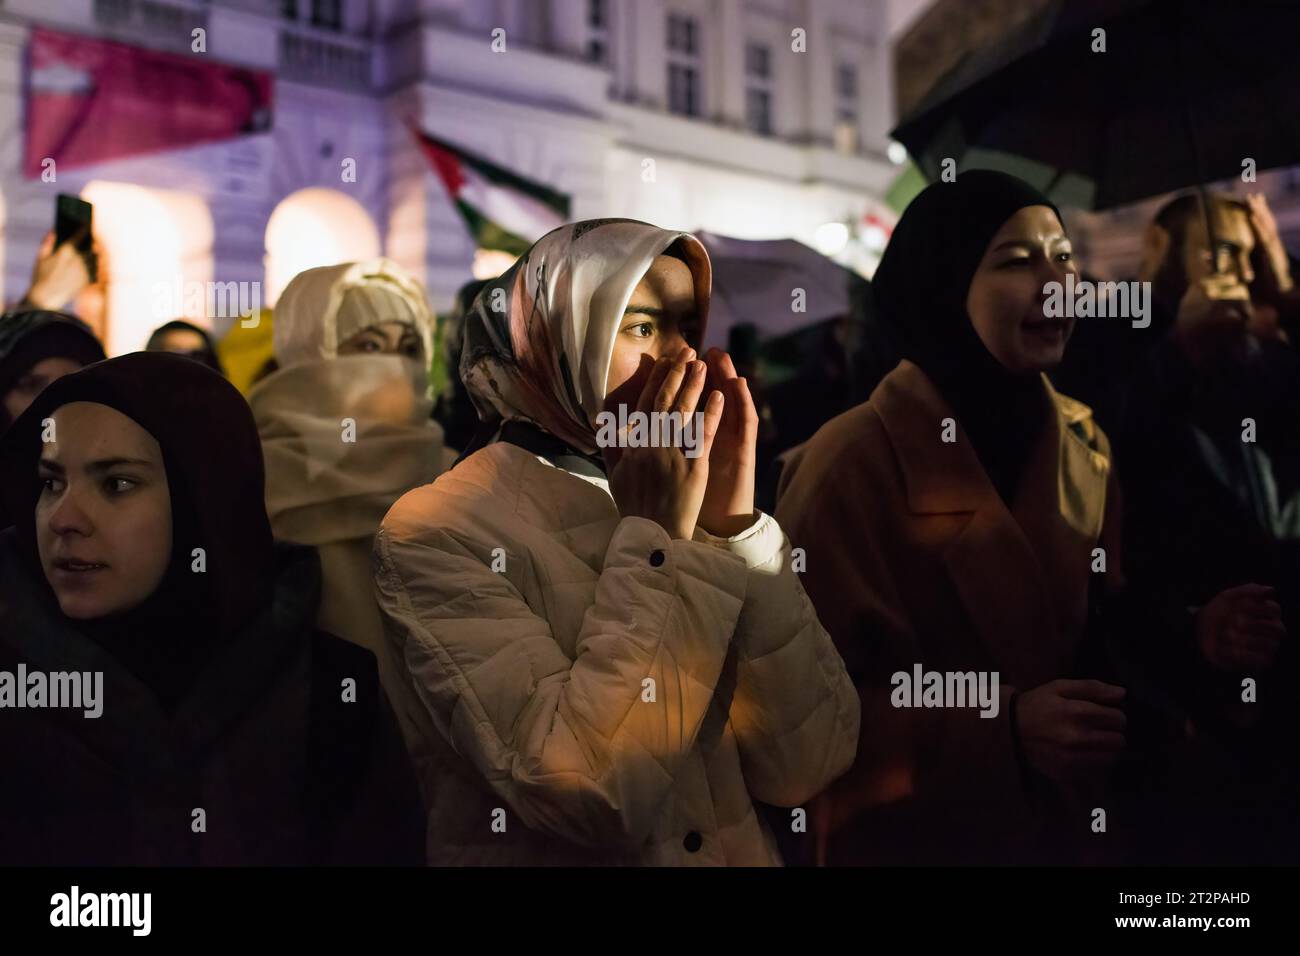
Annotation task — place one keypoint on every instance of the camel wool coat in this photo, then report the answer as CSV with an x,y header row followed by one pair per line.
x,y
604,694
913,558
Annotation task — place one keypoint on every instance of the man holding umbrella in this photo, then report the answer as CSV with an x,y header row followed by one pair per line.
x,y
1210,457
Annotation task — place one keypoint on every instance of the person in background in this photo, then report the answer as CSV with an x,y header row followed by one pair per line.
x,y
820,389
247,351
36,348
229,730
950,524
611,643
1210,443
1252,274
185,338
1248,252
454,410
346,430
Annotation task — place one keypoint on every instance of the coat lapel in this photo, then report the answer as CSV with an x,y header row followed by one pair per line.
x,y
1084,459
1065,471
996,559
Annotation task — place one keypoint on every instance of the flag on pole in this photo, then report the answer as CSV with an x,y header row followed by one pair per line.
x,y
503,210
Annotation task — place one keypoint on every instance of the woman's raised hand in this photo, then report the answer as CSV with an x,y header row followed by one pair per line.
x,y
662,483
728,507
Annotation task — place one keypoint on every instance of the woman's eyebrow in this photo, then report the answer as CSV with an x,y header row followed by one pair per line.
x,y
650,310
108,464
1014,243
1010,243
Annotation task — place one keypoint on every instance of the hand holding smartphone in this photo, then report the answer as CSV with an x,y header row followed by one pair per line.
x,y
72,223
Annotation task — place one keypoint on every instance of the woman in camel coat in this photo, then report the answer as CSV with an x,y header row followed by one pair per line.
x,y
951,522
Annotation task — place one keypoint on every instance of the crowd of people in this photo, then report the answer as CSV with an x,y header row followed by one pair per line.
x,y
343,616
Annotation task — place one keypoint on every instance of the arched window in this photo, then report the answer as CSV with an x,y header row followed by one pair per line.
x,y
155,265
315,227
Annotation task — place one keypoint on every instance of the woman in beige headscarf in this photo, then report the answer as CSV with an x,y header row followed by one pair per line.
x,y
345,430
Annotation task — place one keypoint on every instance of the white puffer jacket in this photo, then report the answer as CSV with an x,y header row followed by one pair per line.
x,y
606,694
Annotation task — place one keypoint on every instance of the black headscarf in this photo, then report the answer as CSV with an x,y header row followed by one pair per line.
x,y
213,460
30,336
207,355
921,287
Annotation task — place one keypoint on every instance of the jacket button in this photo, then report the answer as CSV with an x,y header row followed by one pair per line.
x,y
656,558
692,842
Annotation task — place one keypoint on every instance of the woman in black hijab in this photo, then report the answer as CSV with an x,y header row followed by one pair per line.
x,y
185,338
36,348
222,728
950,524
923,287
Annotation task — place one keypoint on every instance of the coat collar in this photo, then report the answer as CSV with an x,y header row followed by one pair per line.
x,y
939,477
946,477
1021,572
133,730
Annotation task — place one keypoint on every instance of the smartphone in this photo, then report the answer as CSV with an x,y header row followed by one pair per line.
x,y
72,216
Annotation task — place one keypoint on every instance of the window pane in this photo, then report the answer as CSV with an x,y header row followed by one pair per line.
x,y
596,13
758,111
758,60
596,51
289,9
327,14
848,82
683,90
682,33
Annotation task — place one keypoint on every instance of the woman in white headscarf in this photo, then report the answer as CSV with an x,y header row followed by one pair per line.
x,y
345,431
611,642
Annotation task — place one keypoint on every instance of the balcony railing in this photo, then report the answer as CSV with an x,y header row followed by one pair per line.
x,y
166,23
325,59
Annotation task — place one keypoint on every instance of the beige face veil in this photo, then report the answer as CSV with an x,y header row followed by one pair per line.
x,y
322,308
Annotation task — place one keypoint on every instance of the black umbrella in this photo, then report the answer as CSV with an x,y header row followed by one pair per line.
x,y
1185,92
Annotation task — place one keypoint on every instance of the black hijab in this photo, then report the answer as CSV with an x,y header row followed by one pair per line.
x,y
207,355
30,336
213,460
921,288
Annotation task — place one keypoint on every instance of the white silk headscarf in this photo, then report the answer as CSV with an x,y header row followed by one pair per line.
x,y
538,339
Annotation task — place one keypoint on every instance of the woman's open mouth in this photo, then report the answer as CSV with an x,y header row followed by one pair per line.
x,y
1047,329
75,566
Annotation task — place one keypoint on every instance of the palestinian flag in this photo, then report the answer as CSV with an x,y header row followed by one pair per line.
x,y
503,210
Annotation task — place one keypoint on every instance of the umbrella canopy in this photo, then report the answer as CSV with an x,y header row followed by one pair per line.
x,y
1184,93
754,281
